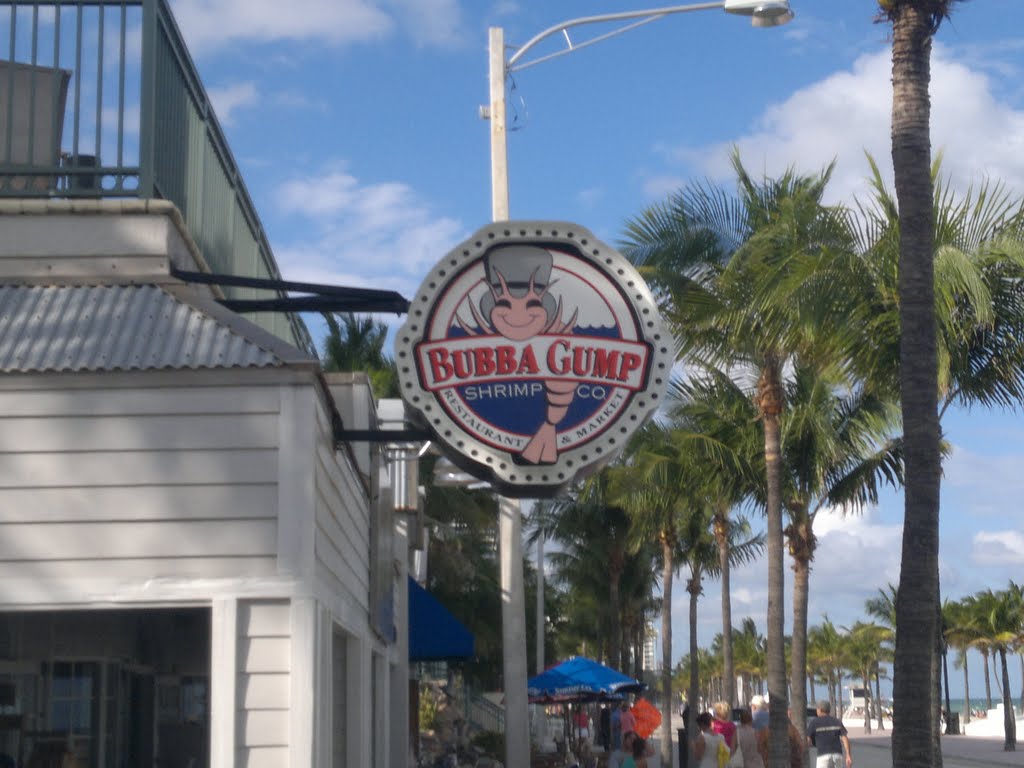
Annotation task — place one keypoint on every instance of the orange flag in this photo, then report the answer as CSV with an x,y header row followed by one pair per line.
x,y
647,718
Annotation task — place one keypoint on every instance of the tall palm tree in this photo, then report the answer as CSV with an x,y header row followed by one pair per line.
x,y
720,264
825,647
656,487
864,647
699,551
962,633
588,525
882,608
835,453
1001,620
915,739
723,434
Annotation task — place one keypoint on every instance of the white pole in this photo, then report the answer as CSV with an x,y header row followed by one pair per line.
x,y
510,527
540,602
513,633
499,137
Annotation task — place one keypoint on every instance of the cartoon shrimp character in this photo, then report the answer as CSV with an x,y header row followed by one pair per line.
x,y
519,306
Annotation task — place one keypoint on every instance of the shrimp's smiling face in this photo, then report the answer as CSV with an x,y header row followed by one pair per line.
x,y
518,318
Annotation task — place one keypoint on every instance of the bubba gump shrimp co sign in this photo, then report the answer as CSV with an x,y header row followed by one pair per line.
x,y
533,351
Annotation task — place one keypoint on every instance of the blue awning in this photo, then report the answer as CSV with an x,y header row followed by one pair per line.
x,y
434,634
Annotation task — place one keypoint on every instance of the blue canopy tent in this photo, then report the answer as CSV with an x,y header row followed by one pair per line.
x,y
434,634
580,679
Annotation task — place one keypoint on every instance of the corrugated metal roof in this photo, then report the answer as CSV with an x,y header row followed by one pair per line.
x,y
108,328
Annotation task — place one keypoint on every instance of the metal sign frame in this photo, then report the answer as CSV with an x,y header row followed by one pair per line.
x,y
533,351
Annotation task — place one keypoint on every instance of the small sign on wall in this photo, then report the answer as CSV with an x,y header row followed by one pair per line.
x,y
533,351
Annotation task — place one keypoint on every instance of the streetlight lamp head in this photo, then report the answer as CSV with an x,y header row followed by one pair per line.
x,y
763,13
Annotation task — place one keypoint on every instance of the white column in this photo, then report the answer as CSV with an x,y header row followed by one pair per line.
x,y
304,686
513,633
223,681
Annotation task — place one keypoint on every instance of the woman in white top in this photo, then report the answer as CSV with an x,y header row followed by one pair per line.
x,y
705,747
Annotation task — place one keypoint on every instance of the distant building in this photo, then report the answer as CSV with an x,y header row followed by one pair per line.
x,y
651,658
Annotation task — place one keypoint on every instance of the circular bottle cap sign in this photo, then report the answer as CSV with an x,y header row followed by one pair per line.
x,y
533,351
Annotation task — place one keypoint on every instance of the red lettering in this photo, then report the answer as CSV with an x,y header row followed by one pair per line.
x,y
558,366
463,369
528,362
605,363
581,357
506,362
630,362
483,361
440,368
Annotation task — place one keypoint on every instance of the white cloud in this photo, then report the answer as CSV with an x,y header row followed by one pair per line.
x,y
378,235
998,548
209,24
856,556
840,117
214,23
430,22
226,99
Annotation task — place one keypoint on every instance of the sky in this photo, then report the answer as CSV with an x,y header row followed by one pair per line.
x,y
356,125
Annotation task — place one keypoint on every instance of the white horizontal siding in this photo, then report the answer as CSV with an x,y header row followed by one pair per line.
x,y
264,681
342,543
167,501
133,484
100,467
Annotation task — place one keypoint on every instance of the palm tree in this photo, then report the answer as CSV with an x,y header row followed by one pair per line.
x,y
835,454
588,526
356,343
882,608
720,264
915,740
723,434
825,647
749,648
977,300
962,633
864,643
699,551
657,487
1001,620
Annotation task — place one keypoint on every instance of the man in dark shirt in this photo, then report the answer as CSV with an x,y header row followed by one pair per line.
x,y
828,735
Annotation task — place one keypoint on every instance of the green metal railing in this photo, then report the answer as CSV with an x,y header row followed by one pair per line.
x,y
101,98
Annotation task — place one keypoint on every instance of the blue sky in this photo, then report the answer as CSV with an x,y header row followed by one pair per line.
x,y
356,125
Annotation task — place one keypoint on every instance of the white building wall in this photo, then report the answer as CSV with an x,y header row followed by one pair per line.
x,y
134,486
264,664
218,488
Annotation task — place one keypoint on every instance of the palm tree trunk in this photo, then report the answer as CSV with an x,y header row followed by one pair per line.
x,y
666,648
615,609
1009,717
721,524
967,692
798,646
866,682
770,406
1022,683
988,681
693,690
878,698
917,606
945,682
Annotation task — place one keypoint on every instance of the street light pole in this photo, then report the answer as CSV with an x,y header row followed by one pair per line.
x,y
763,13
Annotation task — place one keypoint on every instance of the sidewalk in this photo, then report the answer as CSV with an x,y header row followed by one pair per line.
x,y
875,750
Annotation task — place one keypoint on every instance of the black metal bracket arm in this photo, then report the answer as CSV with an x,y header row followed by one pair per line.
x,y
325,298
410,435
